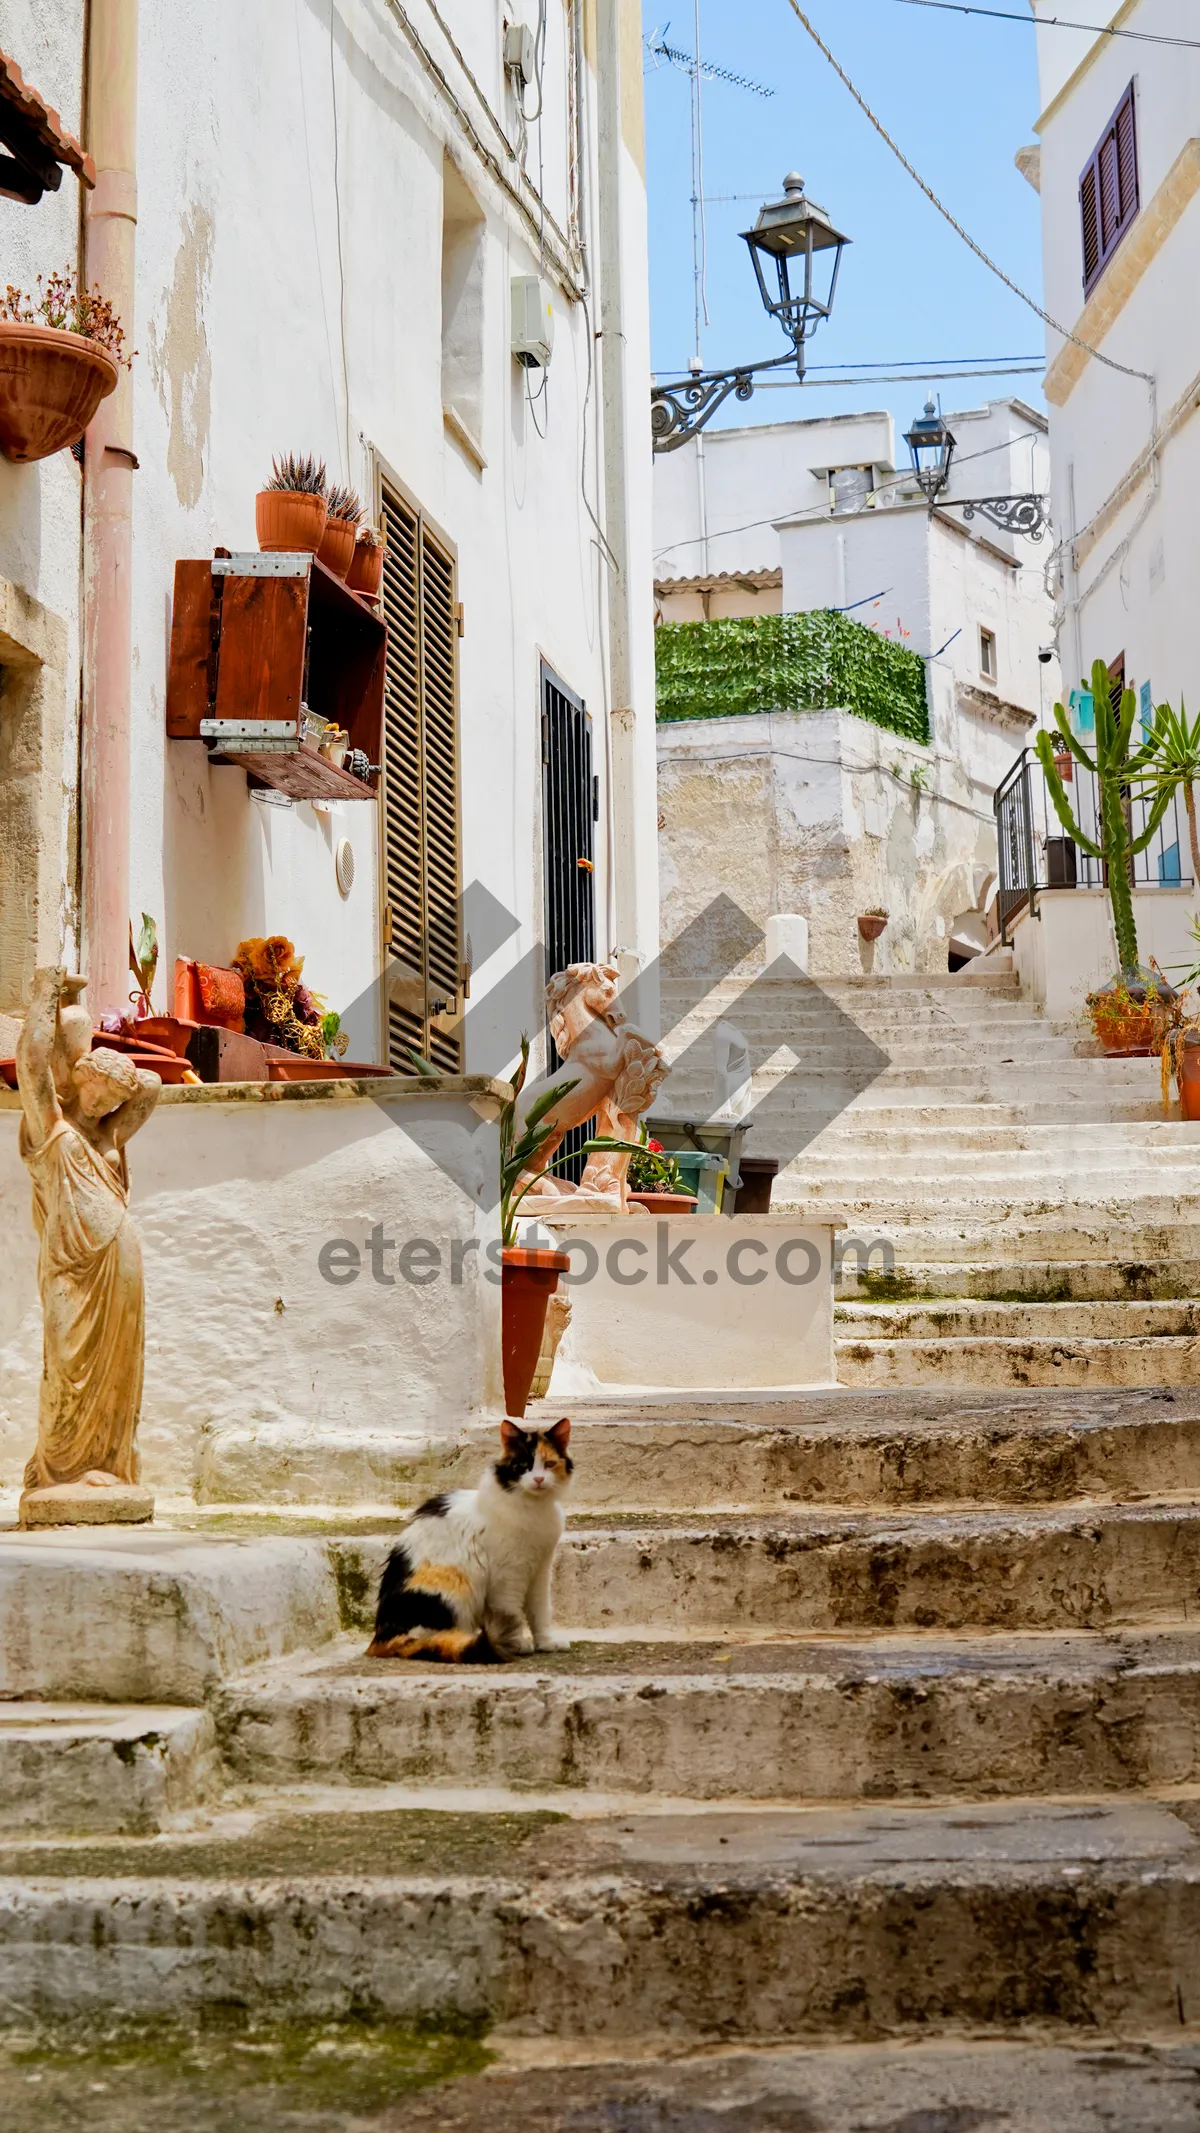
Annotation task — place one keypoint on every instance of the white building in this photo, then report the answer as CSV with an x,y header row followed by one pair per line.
x,y
794,517
312,222
1121,270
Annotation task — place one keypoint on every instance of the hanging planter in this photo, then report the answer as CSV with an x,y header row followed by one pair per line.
x,y
871,924
60,355
51,384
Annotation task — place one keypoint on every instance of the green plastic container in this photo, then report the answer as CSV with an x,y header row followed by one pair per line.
x,y
704,1175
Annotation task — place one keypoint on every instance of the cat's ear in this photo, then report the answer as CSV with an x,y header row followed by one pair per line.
x,y
511,1437
560,1435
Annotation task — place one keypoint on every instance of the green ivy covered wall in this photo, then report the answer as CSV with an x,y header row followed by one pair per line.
x,y
823,661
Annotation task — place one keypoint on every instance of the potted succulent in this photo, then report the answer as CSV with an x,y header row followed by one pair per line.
x,y
871,923
290,512
366,568
344,516
1181,1061
61,352
655,1183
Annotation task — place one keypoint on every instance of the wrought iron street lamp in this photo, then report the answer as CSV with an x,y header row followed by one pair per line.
x,y
796,253
932,444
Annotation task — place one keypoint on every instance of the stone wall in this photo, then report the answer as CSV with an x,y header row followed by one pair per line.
x,y
822,814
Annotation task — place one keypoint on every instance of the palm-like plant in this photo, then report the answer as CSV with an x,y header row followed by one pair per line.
x,y
1175,760
1117,767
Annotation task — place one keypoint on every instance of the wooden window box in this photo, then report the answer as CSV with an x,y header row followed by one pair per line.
x,y
254,640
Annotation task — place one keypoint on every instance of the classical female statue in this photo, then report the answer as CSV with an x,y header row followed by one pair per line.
x,y
80,1108
616,1071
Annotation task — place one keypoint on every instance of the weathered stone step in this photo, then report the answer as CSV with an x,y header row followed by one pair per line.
x,y
1055,1360
545,2085
845,1924
893,1211
1032,1281
855,1135
1084,1567
889,1718
80,1769
963,984
1065,1236
977,1320
130,1615
1090,1171
838,1447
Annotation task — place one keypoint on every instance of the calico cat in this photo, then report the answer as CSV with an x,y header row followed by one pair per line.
x,y
470,1581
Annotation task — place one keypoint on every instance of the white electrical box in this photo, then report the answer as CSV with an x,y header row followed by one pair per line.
x,y
519,53
532,321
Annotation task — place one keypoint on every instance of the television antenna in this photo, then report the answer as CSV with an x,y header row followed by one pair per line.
x,y
698,70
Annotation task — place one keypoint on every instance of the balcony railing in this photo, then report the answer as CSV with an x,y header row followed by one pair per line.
x,y
1036,853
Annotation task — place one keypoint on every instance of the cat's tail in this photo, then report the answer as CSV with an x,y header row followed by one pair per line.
x,y
452,1647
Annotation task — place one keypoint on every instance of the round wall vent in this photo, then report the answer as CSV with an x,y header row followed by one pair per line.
x,y
344,866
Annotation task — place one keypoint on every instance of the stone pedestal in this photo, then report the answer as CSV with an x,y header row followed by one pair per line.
x,y
86,1503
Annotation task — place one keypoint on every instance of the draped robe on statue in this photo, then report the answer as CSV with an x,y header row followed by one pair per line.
x,y
93,1301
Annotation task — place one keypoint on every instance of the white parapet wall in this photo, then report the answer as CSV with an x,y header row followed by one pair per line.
x,y
319,1296
1068,949
694,1304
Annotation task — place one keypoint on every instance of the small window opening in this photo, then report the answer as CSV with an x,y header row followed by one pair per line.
x,y
987,654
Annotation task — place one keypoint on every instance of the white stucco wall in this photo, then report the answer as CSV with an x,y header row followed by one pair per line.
x,y
289,298
1128,585
249,1345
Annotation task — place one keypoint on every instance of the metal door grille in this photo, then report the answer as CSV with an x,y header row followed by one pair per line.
x,y
569,810
421,867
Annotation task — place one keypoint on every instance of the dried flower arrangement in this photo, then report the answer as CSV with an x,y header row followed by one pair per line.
x,y
279,1008
69,308
306,475
1135,1012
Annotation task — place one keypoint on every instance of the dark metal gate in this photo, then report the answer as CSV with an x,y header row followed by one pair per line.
x,y
569,809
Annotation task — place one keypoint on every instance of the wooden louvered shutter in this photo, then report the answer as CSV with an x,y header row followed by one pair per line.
x,y
1109,191
420,792
1089,206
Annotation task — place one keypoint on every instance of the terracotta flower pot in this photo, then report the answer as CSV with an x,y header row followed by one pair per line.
x,y
528,1280
337,546
1189,1079
366,570
664,1203
1130,1036
168,1030
51,384
871,924
289,520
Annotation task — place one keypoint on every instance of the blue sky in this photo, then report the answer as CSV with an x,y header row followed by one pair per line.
x,y
959,94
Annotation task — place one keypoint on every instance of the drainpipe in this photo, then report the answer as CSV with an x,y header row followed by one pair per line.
x,y
622,722
111,218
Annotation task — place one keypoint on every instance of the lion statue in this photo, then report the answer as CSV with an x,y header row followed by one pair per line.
x,y
617,1071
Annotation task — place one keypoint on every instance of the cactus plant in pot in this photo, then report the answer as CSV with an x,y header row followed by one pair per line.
x,y
343,519
366,570
1127,1011
290,512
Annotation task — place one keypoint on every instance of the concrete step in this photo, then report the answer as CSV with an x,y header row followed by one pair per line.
x,y
964,984
841,1923
972,1319
838,1447
1068,1235
884,1718
247,2073
1054,1360
139,1615
1030,1281
1081,1567
856,1136
82,1769
1019,1213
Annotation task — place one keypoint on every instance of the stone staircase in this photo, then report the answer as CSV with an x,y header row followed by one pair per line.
x,y
882,1728
1035,1215
868,1793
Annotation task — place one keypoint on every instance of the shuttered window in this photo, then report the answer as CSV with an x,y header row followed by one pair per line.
x,y
1109,195
421,864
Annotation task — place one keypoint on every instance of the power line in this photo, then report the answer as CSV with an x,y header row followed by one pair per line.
x,y
1109,361
1058,22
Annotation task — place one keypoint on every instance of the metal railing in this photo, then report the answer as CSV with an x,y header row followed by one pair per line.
x,y
1036,853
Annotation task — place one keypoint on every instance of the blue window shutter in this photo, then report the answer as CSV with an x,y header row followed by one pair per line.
x,y
1169,875
1146,697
